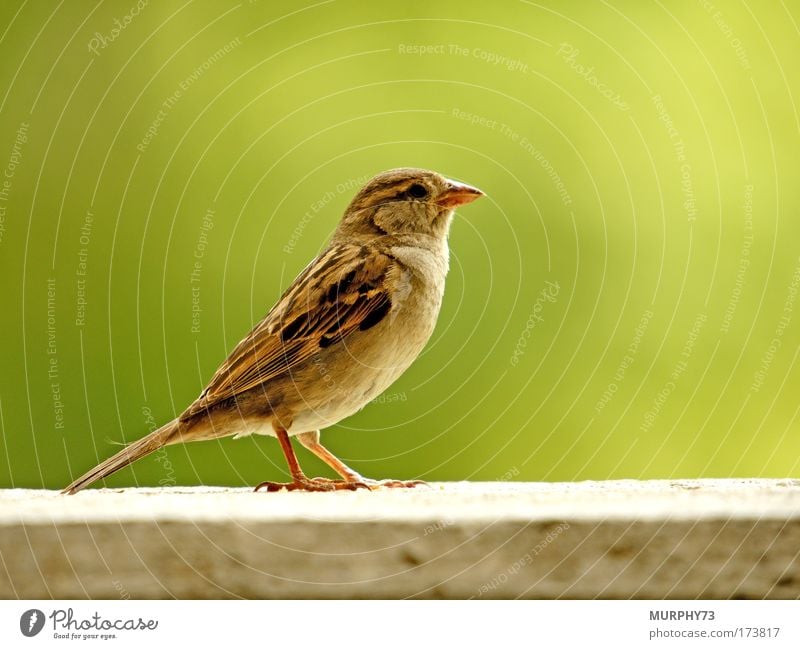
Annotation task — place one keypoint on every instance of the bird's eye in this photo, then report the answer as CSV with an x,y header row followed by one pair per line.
x,y
417,191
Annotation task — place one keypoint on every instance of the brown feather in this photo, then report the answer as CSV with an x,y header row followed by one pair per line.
x,y
126,456
331,299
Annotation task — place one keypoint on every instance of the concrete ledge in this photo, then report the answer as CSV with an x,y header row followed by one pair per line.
x,y
686,539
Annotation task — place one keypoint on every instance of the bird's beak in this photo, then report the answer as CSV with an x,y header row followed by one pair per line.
x,y
458,194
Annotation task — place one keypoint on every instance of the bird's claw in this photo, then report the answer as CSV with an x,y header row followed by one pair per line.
x,y
326,484
373,485
312,484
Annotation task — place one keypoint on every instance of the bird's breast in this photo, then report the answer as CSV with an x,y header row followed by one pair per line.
x,y
350,374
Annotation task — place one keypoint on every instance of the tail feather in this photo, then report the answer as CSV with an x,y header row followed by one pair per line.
x,y
126,456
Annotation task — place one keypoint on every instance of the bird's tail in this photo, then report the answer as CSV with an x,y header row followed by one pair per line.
x,y
126,456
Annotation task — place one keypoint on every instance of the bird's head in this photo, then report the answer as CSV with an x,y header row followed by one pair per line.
x,y
405,201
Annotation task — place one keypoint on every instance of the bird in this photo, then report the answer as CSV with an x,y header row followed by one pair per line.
x,y
346,328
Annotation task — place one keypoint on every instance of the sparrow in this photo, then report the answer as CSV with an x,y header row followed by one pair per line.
x,y
348,326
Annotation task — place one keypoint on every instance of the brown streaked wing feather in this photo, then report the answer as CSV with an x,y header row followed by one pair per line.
x,y
340,292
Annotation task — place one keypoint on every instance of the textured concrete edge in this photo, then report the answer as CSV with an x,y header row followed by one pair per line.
x,y
620,539
462,502
720,559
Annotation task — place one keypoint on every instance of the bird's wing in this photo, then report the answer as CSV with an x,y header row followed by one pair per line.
x,y
345,289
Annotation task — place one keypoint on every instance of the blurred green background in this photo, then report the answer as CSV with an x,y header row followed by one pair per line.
x,y
622,305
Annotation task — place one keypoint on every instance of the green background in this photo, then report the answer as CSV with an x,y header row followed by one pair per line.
x,y
676,215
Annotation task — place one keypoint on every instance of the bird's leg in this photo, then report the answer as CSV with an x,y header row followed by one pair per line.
x,y
311,442
300,482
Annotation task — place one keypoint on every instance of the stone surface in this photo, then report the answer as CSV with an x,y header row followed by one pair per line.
x,y
675,539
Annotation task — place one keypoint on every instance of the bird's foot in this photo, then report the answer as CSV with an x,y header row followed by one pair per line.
x,y
313,484
374,485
